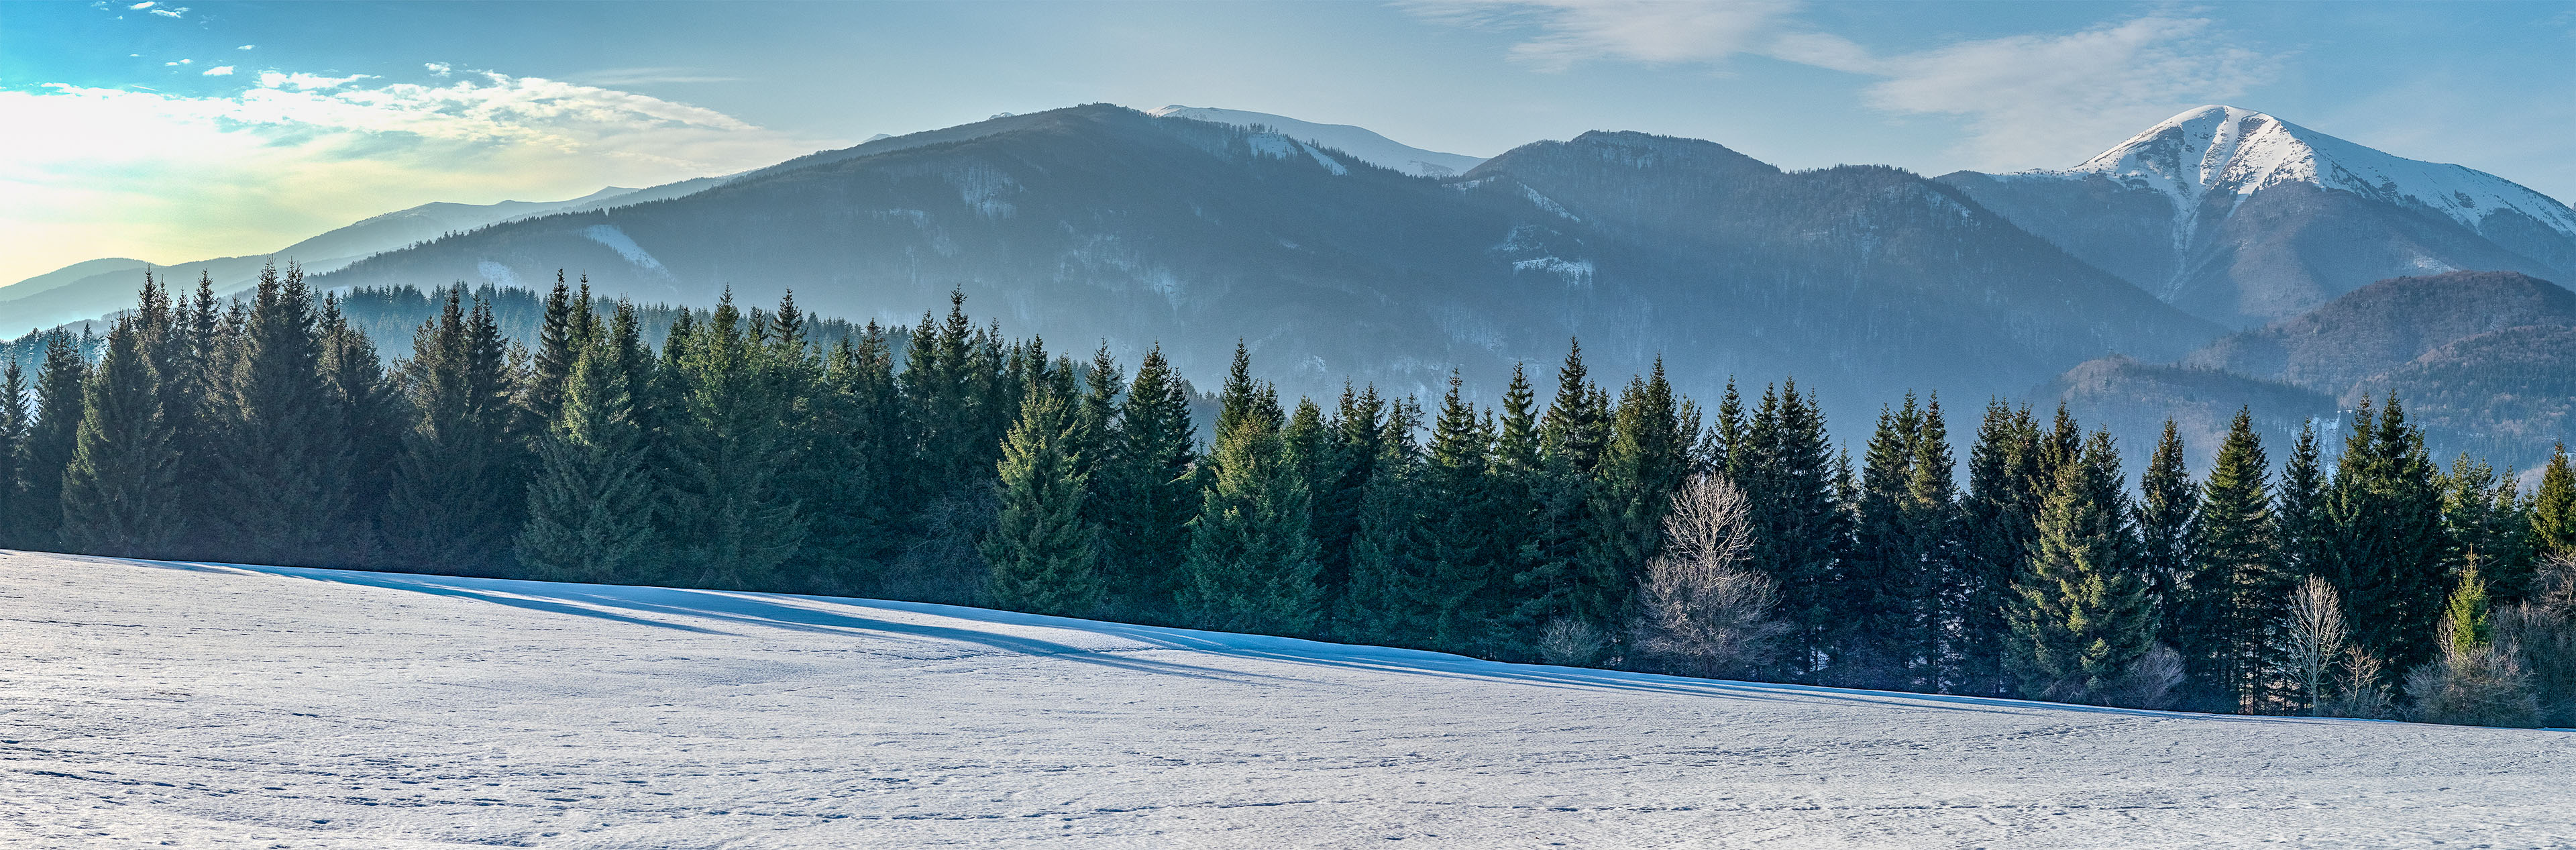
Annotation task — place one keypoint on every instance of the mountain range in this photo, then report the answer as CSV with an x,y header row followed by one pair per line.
x,y
2154,279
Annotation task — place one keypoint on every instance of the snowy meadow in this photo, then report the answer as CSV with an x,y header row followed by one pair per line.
x,y
166,704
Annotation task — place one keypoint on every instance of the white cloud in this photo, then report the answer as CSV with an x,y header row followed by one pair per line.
x,y
2029,100
438,69
171,13
146,4
220,71
246,47
177,64
123,172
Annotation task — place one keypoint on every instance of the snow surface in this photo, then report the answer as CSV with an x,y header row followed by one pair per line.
x,y
1359,142
624,245
2218,150
216,706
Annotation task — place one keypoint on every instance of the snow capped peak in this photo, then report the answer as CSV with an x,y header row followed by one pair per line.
x,y
2224,150
1359,142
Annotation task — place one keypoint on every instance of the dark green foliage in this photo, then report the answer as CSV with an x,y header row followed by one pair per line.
x,y
1148,493
2000,512
1044,549
1648,455
2234,587
50,443
851,447
591,499
459,485
1789,475
15,418
1252,558
730,521
1388,577
117,490
2489,528
2302,522
1880,631
285,492
2553,508
1466,585
2083,619
2167,508
2387,550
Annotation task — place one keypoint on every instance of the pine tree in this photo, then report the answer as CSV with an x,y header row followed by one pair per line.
x,y
2083,618
1466,581
1517,485
1937,549
1389,578
1341,487
1645,460
558,345
1800,525
117,489
459,488
50,442
2387,551
1876,622
853,449
732,524
2167,500
2000,513
2553,508
2484,518
590,502
2302,523
1252,559
1043,547
181,347
1558,585
1150,493
2234,588
15,418
285,485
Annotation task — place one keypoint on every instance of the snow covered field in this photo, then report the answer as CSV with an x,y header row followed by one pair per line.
x,y
209,706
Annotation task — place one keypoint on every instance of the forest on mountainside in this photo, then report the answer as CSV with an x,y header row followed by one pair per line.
x,y
765,449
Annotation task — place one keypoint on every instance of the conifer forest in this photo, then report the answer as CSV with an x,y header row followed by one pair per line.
x,y
1578,519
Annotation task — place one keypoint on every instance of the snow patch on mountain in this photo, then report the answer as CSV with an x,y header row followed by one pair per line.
x,y
2216,151
496,274
624,245
1358,142
982,188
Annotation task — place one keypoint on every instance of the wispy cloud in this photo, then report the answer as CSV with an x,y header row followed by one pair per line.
x,y
220,71
438,69
246,47
170,13
2029,100
170,177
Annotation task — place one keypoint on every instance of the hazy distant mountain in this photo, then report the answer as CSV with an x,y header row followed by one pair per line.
x,y
1368,146
1098,221
93,288
2486,360
2242,218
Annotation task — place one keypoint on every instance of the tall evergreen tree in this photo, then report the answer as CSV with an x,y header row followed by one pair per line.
x,y
2167,502
459,488
1877,622
1461,541
1384,603
15,418
51,442
117,489
2489,530
2000,511
1937,548
2553,508
1252,559
733,525
2231,598
590,501
852,451
1559,583
1517,485
1646,458
1150,491
2387,551
1341,487
2301,519
285,486
1044,548
1791,480
2083,618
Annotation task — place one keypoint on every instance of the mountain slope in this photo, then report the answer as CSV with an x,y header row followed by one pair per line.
x,y
2386,325
215,705
1097,221
2243,218
94,288
1359,142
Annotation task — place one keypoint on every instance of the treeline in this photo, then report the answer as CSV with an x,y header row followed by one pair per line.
x,y
1632,529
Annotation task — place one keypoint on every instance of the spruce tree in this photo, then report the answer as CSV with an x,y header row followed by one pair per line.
x,y
1801,528
1150,494
2484,518
1043,548
1646,458
2387,550
1389,578
2553,508
2167,500
459,488
1874,596
558,345
732,525
1466,583
2232,596
1341,487
1517,485
853,449
2083,618
1553,584
1937,550
590,502
117,489
2302,522
1252,559
15,418
2000,512
284,490
50,442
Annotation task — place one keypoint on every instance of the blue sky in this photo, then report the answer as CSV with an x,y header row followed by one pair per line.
x,y
178,130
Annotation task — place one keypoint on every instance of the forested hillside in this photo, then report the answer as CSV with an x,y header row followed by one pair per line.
x,y
1574,524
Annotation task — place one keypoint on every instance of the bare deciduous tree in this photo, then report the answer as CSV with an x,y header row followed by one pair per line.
x,y
1702,612
2316,635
